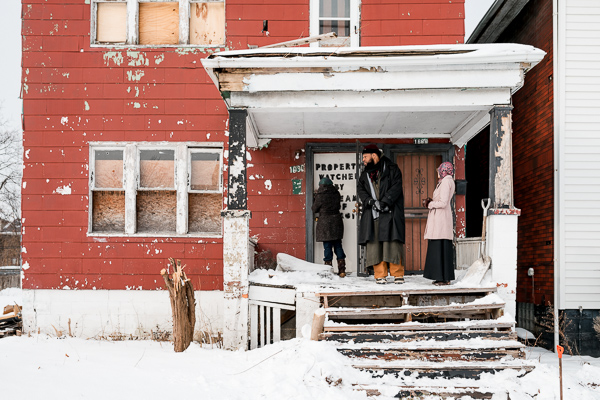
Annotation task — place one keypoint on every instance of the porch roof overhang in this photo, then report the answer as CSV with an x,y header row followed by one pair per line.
x,y
441,91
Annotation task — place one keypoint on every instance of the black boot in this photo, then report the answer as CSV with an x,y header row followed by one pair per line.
x,y
328,262
342,268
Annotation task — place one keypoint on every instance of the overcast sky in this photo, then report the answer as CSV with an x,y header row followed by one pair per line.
x,y
10,46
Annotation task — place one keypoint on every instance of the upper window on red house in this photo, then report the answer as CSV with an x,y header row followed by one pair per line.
x,y
339,16
155,189
158,22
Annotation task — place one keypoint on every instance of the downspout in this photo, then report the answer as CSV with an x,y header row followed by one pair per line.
x,y
557,114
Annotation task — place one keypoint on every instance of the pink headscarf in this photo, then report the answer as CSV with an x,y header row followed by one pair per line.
x,y
445,169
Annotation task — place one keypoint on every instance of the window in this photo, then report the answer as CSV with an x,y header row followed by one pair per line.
x,y
156,190
158,22
339,16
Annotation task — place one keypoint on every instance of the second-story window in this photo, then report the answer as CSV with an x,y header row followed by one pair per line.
x,y
339,16
158,22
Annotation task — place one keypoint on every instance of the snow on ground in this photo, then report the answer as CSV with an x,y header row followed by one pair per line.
x,y
51,368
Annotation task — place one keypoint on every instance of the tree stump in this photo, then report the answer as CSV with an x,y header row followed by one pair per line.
x,y
183,305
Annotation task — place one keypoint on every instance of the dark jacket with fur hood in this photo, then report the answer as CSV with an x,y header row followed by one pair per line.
x,y
330,225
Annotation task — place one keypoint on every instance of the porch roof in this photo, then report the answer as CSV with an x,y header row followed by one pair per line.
x,y
441,91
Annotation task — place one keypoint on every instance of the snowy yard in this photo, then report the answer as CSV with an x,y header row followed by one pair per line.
x,y
44,367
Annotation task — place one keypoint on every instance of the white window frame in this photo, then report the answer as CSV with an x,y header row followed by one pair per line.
x,y
131,183
132,28
354,22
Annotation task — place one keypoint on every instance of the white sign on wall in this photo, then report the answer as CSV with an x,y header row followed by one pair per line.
x,y
341,169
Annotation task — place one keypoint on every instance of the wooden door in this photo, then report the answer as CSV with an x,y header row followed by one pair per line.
x,y
419,179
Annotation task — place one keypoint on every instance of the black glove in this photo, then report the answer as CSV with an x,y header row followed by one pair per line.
x,y
426,202
381,206
369,202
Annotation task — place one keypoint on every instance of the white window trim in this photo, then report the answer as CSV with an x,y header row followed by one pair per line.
x,y
354,22
131,175
133,11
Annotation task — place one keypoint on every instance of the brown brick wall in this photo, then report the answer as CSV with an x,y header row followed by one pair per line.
x,y
533,155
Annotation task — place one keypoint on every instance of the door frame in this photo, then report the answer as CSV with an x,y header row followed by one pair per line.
x,y
446,150
310,150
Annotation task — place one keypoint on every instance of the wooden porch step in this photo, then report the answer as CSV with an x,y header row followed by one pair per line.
x,y
454,310
437,290
451,352
449,370
464,326
409,336
434,392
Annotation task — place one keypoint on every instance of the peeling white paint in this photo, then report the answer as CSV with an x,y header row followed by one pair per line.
x,y
137,59
265,222
87,106
159,58
27,153
268,184
114,56
135,76
64,190
24,250
64,120
24,185
25,266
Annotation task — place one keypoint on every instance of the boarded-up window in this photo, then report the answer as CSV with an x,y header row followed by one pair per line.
x,y
108,213
108,202
159,23
204,212
207,23
111,22
205,171
149,189
108,169
156,211
157,169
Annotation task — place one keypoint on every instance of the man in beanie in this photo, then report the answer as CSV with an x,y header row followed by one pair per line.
x,y
381,227
330,226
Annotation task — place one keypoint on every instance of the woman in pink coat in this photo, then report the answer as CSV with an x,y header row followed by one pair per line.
x,y
439,231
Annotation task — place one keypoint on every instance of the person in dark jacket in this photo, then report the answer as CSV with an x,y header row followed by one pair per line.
x,y
330,226
382,223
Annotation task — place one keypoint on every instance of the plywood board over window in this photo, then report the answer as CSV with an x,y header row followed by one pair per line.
x,y
156,211
111,25
204,213
108,213
207,23
159,23
157,169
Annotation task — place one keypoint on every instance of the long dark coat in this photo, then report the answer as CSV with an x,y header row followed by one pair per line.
x,y
391,224
330,225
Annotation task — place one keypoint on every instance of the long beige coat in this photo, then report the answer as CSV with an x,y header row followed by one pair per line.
x,y
439,221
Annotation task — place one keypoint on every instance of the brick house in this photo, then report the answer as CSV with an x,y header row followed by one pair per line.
x,y
132,155
555,148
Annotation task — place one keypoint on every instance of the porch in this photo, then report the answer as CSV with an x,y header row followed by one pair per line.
x,y
443,92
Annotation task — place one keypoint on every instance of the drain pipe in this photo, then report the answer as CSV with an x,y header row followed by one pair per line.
x,y
558,50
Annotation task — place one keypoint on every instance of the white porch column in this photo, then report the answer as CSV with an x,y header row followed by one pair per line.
x,y
236,231
502,225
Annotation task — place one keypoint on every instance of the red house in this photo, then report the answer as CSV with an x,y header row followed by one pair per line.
x,y
131,155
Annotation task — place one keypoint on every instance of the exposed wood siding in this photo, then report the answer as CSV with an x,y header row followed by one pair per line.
x,y
580,142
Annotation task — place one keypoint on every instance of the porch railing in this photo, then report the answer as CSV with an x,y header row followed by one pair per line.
x,y
266,304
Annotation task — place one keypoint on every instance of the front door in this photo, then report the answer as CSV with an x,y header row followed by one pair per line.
x,y
419,179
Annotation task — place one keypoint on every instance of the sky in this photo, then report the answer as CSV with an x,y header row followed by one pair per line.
x,y
10,46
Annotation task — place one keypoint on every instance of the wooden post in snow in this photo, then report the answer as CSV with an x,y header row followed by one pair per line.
x,y
183,305
317,324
